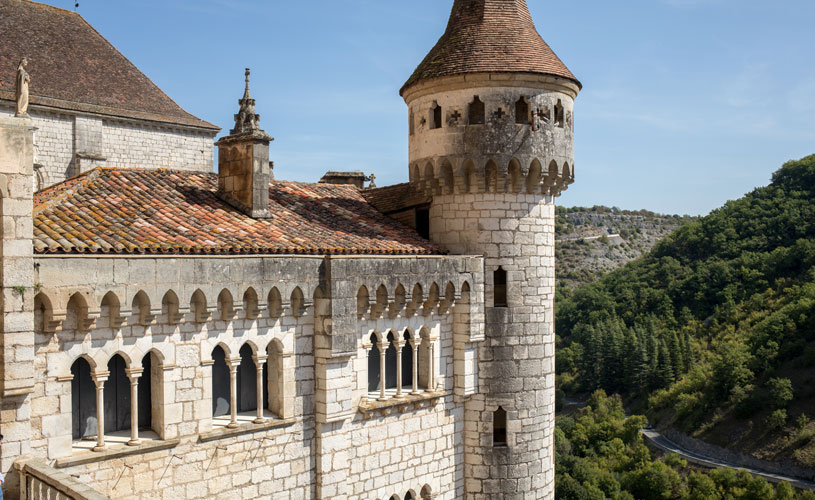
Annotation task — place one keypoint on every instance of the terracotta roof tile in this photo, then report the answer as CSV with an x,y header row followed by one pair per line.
x,y
73,67
170,212
490,36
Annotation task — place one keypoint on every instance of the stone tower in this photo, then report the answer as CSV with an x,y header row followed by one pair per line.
x,y
491,139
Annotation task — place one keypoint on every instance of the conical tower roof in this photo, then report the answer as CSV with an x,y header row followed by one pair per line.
x,y
490,36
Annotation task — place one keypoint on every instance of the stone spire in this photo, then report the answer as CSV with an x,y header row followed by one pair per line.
x,y
244,170
490,36
247,121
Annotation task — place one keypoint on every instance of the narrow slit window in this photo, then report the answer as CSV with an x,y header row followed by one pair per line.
x,y
475,112
435,121
499,428
522,111
500,288
412,123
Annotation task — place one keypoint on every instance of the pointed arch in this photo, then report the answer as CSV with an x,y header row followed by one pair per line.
x,y
470,180
117,395
533,178
476,112
171,307
522,111
43,313
514,181
374,370
274,303
140,309
390,361
247,379
399,300
110,311
198,306
491,177
382,300
298,302
447,177
76,313
83,399
221,393
427,492
432,299
407,360
226,303
250,303
363,301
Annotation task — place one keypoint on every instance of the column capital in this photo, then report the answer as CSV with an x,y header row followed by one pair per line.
x,y
260,359
134,373
234,363
100,376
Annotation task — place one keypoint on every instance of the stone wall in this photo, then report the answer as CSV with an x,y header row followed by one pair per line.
x,y
322,437
516,232
68,144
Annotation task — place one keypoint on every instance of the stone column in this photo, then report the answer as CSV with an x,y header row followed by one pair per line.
x,y
399,345
99,378
259,362
415,367
383,346
134,375
17,294
233,392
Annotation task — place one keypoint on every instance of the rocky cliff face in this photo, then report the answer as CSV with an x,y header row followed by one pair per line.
x,y
593,241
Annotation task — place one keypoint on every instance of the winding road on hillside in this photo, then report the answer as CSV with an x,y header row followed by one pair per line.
x,y
667,445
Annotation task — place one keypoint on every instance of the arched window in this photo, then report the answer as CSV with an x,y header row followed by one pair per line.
x,y
522,111
426,493
373,365
409,496
117,397
559,118
436,116
499,277
83,400
220,383
390,363
499,427
247,381
407,363
475,112
146,392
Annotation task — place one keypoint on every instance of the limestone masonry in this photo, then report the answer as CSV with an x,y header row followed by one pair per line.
x,y
173,333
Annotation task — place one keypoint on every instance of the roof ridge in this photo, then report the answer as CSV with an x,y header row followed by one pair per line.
x,y
49,6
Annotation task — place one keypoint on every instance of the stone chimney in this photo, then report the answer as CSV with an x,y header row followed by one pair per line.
x,y
244,170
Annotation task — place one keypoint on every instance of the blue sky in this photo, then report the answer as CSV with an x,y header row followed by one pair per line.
x,y
686,103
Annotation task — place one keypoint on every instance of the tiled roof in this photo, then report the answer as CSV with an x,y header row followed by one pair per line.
x,y
170,212
490,36
73,67
395,198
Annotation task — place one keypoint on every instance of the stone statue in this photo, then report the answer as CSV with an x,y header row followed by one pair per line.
x,y
23,79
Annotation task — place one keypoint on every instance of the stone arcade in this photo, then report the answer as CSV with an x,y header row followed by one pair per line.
x,y
169,332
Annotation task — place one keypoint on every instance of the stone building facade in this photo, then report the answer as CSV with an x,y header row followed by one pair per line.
x,y
175,333
91,106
